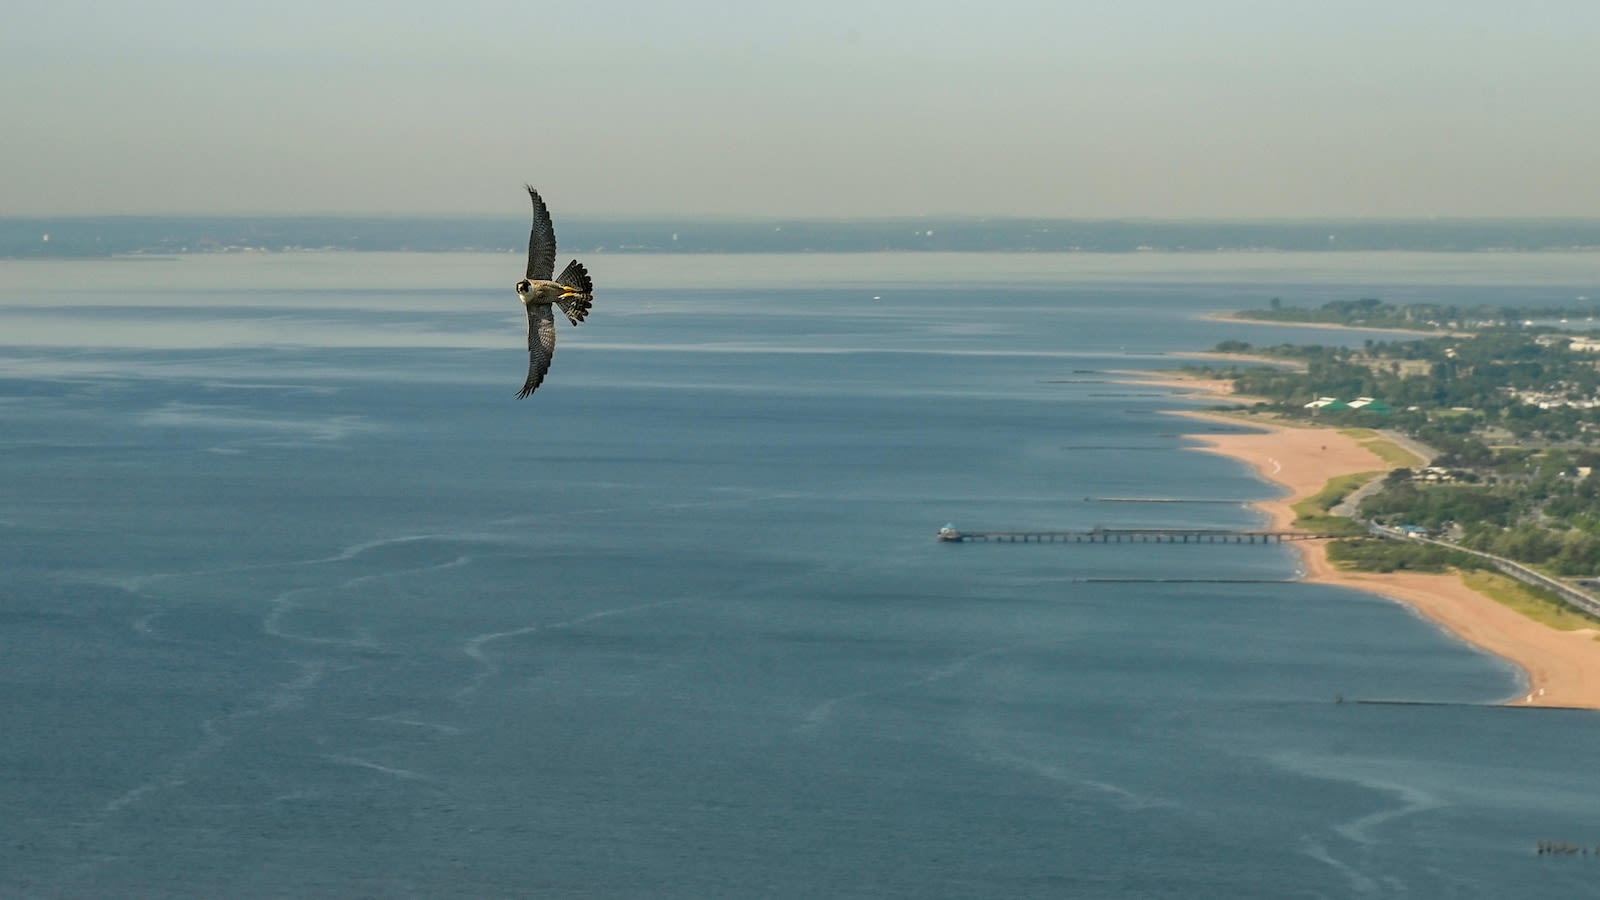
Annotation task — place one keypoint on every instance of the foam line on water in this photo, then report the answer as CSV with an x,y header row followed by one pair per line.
x,y
392,771
473,647
283,604
136,583
216,732
401,718
818,715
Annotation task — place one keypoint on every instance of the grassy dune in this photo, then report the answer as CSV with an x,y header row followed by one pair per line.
x,y
1540,606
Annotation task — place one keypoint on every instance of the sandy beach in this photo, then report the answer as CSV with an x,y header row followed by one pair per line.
x,y
1562,667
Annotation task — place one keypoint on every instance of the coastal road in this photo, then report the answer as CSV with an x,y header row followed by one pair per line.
x,y
1349,506
1570,594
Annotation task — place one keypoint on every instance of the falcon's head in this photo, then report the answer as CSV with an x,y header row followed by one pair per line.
x,y
524,289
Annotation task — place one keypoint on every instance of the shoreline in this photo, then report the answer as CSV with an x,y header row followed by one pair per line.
x,y
1337,326
1560,668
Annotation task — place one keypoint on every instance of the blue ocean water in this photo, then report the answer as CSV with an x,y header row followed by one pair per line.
x,y
297,600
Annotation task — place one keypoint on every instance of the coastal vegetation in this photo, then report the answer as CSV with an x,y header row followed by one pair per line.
x,y
1385,449
1371,312
1379,555
1508,400
1535,603
1315,513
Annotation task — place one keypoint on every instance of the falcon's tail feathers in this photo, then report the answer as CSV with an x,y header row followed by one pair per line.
x,y
576,277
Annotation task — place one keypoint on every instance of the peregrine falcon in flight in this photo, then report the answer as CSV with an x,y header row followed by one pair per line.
x,y
572,291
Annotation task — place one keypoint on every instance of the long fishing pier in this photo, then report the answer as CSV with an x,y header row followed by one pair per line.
x,y
1132,536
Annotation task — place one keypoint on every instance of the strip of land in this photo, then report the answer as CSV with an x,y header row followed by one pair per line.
x,y
1290,323
1562,667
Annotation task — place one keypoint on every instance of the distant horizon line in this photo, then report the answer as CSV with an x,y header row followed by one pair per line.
x,y
829,219
83,236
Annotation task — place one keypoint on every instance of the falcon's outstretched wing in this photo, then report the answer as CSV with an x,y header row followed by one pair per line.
x,y
541,240
541,344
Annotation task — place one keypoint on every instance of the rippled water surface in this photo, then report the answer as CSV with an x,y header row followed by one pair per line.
x,y
296,599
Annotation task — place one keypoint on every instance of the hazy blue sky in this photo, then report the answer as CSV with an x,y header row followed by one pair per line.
x,y
1167,108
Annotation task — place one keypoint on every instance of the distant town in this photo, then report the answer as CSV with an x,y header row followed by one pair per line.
x,y
1508,398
